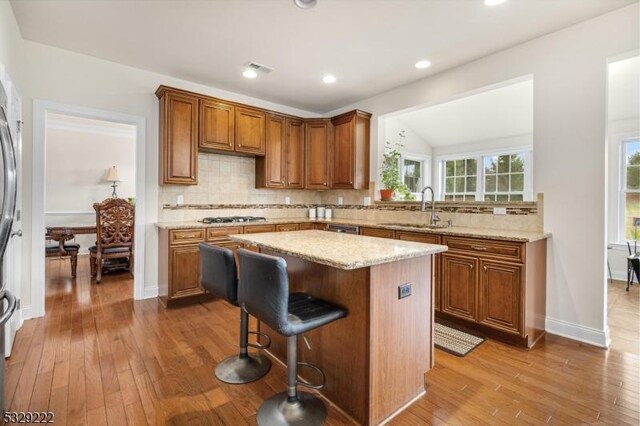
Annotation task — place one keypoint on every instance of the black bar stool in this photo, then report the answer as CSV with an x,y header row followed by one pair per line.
x,y
218,275
264,293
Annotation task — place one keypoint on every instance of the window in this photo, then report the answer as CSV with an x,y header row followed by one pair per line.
x,y
415,172
461,179
631,187
504,177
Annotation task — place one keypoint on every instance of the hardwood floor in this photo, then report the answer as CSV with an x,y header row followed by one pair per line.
x,y
97,357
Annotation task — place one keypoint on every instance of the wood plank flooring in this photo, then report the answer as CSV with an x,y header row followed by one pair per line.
x,y
98,357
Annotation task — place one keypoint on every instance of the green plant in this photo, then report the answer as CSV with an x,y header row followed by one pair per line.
x,y
390,170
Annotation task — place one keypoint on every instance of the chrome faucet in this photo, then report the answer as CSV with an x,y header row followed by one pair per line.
x,y
434,217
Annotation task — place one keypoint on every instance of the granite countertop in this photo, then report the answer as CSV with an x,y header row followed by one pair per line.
x,y
343,251
462,231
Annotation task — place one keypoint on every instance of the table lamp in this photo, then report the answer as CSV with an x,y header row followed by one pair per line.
x,y
112,176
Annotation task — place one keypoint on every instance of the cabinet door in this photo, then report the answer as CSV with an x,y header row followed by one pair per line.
x,y
343,158
295,153
216,125
500,295
184,271
275,152
378,232
250,131
459,285
178,131
318,139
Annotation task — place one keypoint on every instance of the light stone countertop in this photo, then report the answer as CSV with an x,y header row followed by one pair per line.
x,y
461,231
342,251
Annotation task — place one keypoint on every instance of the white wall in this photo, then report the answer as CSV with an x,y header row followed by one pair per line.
x,y
78,153
57,75
569,69
10,40
412,142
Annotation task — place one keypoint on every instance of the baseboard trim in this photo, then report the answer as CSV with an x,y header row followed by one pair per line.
x,y
28,312
581,333
619,275
150,292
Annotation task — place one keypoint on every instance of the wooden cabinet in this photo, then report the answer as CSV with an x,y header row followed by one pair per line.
x,y
287,227
459,285
250,130
317,147
306,226
378,232
254,229
184,268
498,287
295,153
350,153
178,138
217,126
500,295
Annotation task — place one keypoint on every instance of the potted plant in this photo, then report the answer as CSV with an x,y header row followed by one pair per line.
x,y
390,172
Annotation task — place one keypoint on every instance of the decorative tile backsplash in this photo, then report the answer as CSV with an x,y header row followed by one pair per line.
x,y
226,187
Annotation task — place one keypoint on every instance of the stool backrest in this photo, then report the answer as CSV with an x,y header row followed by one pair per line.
x,y
264,288
218,273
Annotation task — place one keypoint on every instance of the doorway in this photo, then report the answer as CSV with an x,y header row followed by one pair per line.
x,y
75,152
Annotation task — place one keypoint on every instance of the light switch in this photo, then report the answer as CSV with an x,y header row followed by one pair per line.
x,y
366,201
287,200
340,201
180,200
499,210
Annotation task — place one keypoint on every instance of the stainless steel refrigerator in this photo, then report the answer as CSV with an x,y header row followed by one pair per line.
x,y
9,188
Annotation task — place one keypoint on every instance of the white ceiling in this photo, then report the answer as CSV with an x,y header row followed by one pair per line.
x,y
370,45
494,114
624,89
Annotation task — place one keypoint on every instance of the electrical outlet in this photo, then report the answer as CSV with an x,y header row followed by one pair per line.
x,y
404,290
287,200
366,201
340,201
499,210
636,221
180,200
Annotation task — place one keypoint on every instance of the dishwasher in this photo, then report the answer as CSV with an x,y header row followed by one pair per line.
x,y
345,229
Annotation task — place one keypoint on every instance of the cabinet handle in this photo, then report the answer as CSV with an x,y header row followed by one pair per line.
x,y
479,248
485,268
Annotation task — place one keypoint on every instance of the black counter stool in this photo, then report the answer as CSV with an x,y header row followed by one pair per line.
x,y
219,277
264,293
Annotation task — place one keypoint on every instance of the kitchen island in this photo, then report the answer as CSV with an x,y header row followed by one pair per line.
x,y
375,358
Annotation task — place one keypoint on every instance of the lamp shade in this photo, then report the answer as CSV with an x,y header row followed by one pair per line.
x,y
112,175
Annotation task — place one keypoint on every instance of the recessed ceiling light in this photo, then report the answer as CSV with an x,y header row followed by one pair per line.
x,y
305,4
493,2
249,73
423,64
329,79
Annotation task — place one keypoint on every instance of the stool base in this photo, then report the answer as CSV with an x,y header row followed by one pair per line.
x,y
236,370
307,411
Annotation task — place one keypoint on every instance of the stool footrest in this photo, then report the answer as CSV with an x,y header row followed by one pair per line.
x,y
310,385
259,345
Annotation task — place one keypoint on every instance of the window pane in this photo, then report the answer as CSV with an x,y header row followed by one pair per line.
x,y
489,197
502,197
516,197
490,183
448,197
459,167
517,163
490,165
503,164
449,185
517,182
503,183
632,209
471,184
412,172
472,167
469,197
459,184
633,177
449,167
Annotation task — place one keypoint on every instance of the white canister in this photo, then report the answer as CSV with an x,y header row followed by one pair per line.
x,y
312,213
328,213
321,212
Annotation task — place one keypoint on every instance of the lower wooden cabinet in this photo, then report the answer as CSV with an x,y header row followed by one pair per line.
x,y
500,295
459,285
378,232
184,266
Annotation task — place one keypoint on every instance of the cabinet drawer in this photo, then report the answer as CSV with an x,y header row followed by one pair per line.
x,y
217,234
287,227
418,237
378,232
305,226
259,228
490,248
183,236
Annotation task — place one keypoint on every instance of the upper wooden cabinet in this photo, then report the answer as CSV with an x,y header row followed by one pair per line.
x,y
318,150
217,125
350,156
283,163
178,138
250,130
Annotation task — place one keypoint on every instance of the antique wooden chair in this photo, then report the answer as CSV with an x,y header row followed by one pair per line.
x,y
61,248
114,229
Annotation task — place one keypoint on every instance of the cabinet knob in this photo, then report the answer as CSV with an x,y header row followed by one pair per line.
x,y
485,268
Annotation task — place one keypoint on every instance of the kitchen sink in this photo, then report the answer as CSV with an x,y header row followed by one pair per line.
x,y
417,225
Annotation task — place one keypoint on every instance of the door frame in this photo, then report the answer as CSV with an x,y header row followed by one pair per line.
x,y
40,110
